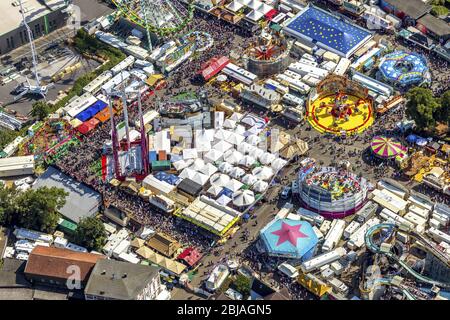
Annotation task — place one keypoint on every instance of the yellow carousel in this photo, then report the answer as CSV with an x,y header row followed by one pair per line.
x,y
340,106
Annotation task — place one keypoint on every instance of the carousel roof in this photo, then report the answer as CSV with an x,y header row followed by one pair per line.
x,y
288,238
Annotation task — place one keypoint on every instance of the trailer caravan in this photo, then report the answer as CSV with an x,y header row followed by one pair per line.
x,y
334,235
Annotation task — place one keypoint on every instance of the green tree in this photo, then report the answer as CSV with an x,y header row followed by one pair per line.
x,y
7,204
444,111
439,11
6,136
242,284
421,107
90,233
38,208
40,109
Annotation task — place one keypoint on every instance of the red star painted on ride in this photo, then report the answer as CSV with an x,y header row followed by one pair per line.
x,y
289,233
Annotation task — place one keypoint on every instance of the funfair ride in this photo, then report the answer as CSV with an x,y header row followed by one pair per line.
x,y
161,17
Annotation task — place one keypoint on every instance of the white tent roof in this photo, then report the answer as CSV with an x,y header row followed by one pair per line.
x,y
255,15
190,154
223,200
236,116
253,139
239,130
237,172
235,139
219,179
256,152
254,4
187,173
222,146
182,164
263,173
243,198
197,165
212,155
260,186
234,6
208,169
225,167
222,134
244,2
264,8
278,163
252,130
229,124
234,185
244,147
247,161
200,178
249,179
232,156
267,158
215,190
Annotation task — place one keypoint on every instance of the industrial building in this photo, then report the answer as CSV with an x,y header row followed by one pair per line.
x,y
43,17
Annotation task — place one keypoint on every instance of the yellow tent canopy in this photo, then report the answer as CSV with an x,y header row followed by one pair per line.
x,y
168,264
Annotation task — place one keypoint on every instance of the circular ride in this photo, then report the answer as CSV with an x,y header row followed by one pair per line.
x,y
386,148
268,55
332,192
340,106
403,69
162,17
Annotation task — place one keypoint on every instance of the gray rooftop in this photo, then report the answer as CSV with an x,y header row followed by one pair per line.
x,y
413,8
435,25
81,202
119,280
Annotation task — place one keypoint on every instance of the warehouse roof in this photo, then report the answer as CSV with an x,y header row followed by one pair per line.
x,y
12,18
81,202
435,25
54,262
413,8
119,280
190,187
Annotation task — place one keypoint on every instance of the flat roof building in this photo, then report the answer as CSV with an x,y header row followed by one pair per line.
x,y
16,166
42,17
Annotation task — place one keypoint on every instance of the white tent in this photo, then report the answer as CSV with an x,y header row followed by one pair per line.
x,y
234,6
223,200
234,185
264,8
260,186
243,198
237,172
252,130
229,124
187,173
278,163
239,130
220,179
182,164
255,152
222,146
232,156
244,148
200,178
254,4
236,116
212,155
222,134
267,158
190,154
208,169
244,2
235,139
197,165
263,173
253,140
225,167
255,15
215,190
249,179
247,161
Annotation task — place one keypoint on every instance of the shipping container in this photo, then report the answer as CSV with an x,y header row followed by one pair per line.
x,y
152,156
162,155
161,165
